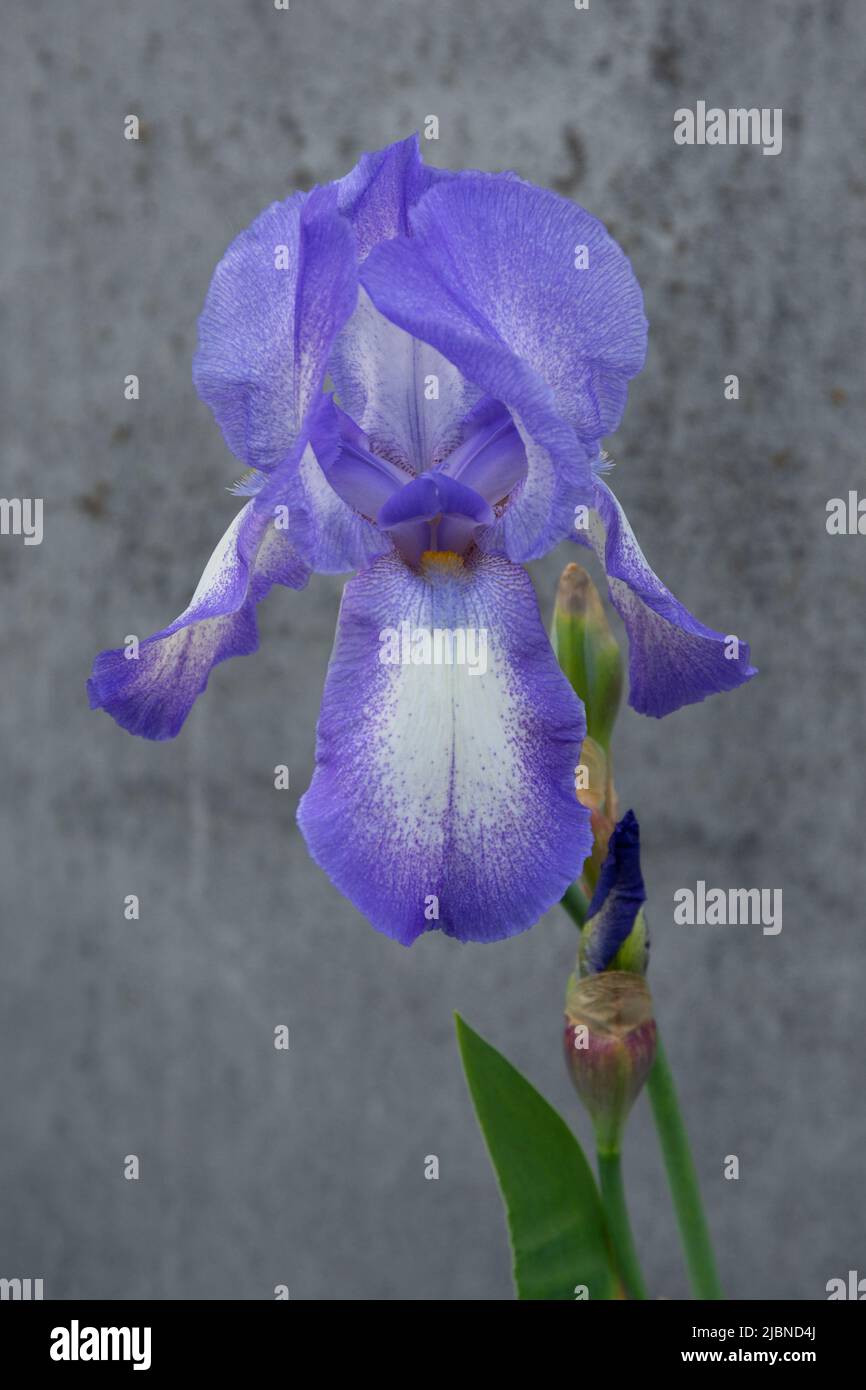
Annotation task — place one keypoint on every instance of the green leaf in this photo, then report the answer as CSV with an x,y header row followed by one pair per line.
x,y
555,1219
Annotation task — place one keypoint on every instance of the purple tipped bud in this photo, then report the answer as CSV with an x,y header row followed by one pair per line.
x,y
610,1044
615,932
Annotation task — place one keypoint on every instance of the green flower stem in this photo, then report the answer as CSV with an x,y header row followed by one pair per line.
x,y
676,1151
682,1179
576,903
618,1224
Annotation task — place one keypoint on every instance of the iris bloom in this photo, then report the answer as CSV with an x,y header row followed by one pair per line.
x,y
416,368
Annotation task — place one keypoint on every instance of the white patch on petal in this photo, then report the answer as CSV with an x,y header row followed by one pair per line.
x,y
385,380
446,745
432,780
220,577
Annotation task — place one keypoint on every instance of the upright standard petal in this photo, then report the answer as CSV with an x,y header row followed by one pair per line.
x,y
443,795
674,660
535,303
277,300
152,690
379,192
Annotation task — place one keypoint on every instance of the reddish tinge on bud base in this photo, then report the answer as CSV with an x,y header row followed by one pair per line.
x,y
610,1044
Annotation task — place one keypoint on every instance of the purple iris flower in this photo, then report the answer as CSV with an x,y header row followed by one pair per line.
x,y
416,375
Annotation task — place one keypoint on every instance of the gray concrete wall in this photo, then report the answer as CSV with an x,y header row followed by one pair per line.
x,y
155,1038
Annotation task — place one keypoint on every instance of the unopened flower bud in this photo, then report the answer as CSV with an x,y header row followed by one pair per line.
x,y
610,1043
614,935
587,651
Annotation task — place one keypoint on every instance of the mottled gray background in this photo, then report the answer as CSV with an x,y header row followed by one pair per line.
x,y
155,1037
